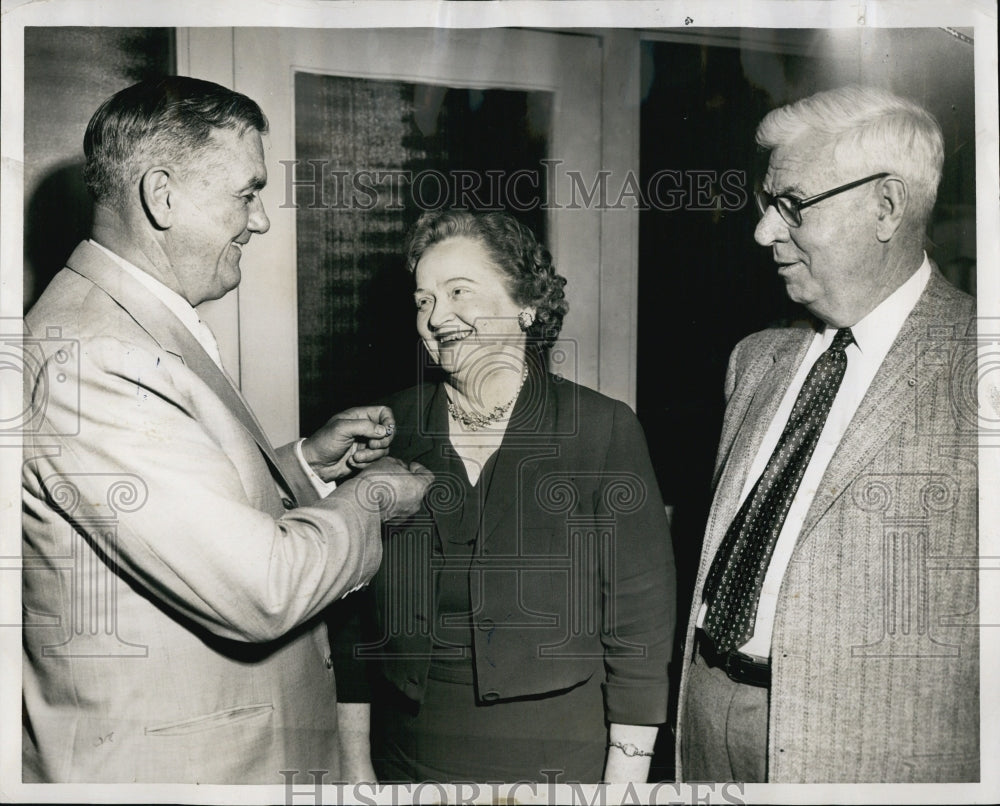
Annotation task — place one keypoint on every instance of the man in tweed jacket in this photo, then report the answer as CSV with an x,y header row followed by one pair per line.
x,y
862,664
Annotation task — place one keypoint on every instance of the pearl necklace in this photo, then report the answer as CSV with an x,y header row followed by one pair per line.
x,y
473,421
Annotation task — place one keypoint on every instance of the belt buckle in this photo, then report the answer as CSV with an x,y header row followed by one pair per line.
x,y
734,667
742,668
738,667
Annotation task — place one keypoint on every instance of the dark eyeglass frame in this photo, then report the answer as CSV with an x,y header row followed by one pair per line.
x,y
790,209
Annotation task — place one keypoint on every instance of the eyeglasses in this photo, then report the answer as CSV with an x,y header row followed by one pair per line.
x,y
790,209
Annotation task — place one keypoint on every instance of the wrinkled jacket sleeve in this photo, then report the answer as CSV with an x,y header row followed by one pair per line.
x,y
203,534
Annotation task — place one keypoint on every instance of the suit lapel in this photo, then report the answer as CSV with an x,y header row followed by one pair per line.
x,y
890,398
170,333
429,445
516,460
763,388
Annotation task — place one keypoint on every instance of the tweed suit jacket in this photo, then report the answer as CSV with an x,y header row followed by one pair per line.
x,y
874,652
172,584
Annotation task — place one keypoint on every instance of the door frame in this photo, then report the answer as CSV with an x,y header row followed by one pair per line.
x,y
595,124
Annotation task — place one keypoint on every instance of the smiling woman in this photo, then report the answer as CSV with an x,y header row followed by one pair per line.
x,y
371,156
467,319
530,604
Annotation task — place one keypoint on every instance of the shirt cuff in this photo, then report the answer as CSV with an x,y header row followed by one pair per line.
x,y
323,488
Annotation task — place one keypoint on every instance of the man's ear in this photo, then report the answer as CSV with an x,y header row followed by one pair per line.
x,y
158,199
892,201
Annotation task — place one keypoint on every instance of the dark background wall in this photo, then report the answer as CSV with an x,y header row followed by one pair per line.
x,y
68,72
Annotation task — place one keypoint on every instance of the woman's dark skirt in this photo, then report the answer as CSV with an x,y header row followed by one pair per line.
x,y
559,737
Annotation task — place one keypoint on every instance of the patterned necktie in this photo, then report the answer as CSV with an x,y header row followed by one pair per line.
x,y
734,581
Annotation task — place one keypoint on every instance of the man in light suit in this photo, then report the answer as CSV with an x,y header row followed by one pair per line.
x,y
833,634
176,565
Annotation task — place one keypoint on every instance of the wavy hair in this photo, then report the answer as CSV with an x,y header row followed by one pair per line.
x,y
167,119
525,264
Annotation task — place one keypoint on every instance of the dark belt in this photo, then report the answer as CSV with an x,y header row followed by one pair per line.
x,y
738,667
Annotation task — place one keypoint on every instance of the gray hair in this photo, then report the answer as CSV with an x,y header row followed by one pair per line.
x,y
870,129
169,119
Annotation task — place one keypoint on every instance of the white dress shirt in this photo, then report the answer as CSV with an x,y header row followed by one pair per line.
x,y
203,334
873,336
177,305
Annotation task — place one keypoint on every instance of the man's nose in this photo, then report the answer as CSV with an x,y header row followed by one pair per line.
x,y
770,228
258,222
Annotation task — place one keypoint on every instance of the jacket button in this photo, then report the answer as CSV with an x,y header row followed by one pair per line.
x,y
491,696
328,662
487,624
287,503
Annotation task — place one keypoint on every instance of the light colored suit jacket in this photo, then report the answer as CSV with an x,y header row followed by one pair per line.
x,y
875,647
171,584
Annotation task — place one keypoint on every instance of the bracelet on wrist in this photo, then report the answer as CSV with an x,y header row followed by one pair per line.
x,y
630,749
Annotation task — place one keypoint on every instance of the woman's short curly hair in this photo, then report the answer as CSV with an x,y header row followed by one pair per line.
x,y
525,263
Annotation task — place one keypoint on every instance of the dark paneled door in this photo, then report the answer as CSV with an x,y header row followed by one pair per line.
x,y
368,127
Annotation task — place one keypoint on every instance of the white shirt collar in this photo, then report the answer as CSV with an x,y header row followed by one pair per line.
x,y
175,303
875,333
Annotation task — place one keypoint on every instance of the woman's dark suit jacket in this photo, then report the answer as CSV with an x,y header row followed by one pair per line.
x,y
574,567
